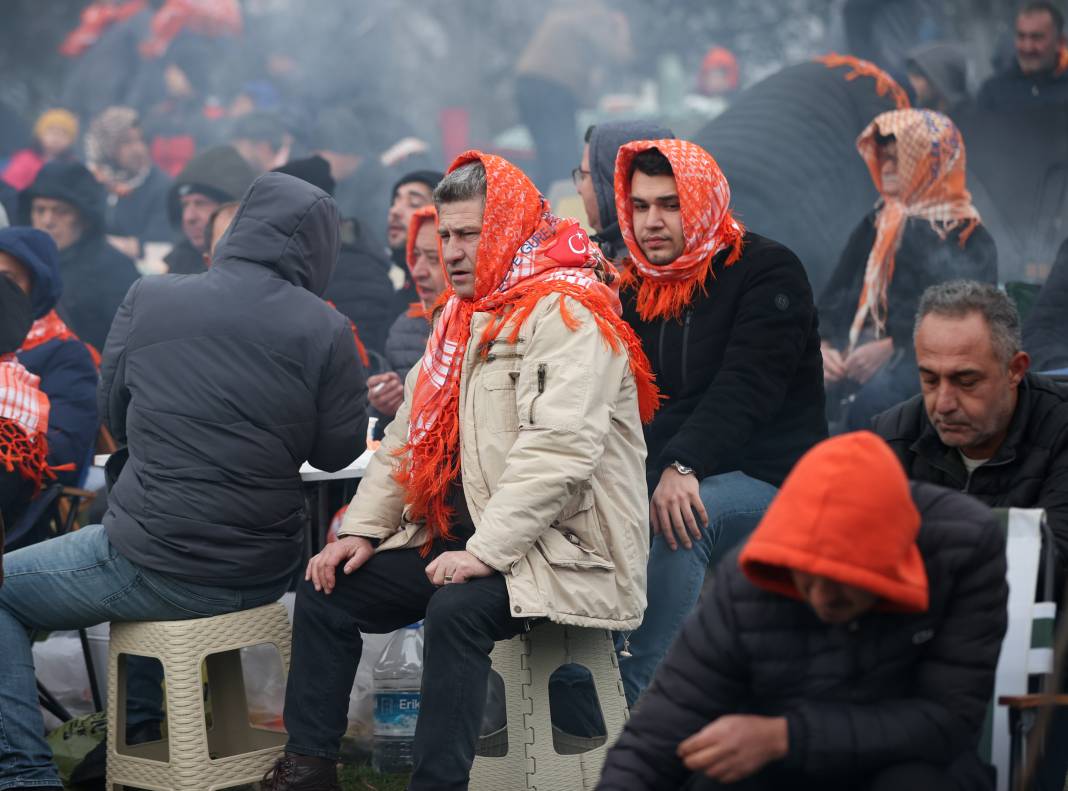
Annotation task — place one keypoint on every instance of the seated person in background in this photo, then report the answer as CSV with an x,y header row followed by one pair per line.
x,y
1039,76
54,137
507,489
982,423
832,656
55,355
118,156
595,178
220,385
407,337
66,202
360,287
1045,332
726,318
23,411
924,230
210,179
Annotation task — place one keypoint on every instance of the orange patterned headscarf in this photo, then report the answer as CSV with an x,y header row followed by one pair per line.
x,y
708,225
421,215
524,254
931,172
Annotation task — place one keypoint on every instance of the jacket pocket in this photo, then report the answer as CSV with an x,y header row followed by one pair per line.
x,y
500,411
574,539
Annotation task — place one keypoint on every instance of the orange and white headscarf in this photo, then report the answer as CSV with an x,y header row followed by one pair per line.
x,y
23,422
931,172
423,214
525,253
708,226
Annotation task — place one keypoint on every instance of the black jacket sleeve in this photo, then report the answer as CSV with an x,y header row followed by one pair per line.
x,y
1046,329
773,323
838,302
953,683
341,434
113,396
702,678
70,382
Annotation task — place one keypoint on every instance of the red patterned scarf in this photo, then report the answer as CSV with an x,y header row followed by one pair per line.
x,y
707,224
51,327
23,422
524,254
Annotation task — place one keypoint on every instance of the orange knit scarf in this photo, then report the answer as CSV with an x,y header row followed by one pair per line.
x,y
708,226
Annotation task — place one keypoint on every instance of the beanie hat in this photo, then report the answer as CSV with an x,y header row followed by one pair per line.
x,y
846,513
64,119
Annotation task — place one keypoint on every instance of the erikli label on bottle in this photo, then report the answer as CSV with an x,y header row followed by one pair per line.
x,y
396,713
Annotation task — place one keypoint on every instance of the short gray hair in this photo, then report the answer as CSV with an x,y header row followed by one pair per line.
x,y
959,298
467,182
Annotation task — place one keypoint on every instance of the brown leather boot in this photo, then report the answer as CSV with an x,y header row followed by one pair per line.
x,y
301,773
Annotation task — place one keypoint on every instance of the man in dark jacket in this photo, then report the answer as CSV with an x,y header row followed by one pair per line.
x,y
63,364
1046,329
137,190
924,230
595,178
220,385
68,203
985,426
1039,77
217,176
727,320
831,656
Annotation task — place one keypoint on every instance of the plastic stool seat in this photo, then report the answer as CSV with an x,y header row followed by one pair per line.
x,y
195,756
533,758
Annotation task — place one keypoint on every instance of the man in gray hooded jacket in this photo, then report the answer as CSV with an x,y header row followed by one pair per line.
x,y
220,385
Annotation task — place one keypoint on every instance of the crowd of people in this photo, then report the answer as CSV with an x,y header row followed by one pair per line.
x,y
573,427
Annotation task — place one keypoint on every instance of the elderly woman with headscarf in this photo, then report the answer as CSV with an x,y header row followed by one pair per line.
x,y
924,230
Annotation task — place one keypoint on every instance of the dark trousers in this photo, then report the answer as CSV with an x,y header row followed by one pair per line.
x,y
903,777
547,109
390,591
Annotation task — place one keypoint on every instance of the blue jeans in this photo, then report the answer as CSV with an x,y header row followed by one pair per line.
x,y
735,504
70,582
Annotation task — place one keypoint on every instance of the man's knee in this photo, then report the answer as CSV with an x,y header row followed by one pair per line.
x,y
465,606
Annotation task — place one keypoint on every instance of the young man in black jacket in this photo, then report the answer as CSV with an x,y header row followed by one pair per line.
x,y
832,656
727,319
220,385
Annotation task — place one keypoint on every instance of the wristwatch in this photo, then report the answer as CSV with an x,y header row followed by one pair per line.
x,y
681,468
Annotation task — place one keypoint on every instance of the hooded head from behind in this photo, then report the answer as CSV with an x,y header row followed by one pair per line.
x,y
288,225
37,252
844,514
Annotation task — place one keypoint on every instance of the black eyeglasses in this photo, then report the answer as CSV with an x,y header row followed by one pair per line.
x,y
578,174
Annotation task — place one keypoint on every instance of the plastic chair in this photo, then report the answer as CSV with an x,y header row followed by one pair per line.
x,y
529,754
195,756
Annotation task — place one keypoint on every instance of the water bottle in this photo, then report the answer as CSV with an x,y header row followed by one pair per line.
x,y
397,676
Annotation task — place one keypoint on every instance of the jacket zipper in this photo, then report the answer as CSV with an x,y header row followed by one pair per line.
x,y
541,389
685,346
660,353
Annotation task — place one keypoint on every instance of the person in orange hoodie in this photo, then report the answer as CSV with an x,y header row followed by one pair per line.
x,y
851,645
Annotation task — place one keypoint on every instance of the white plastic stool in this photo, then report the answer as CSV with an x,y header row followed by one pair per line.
x,y
195,757
525,663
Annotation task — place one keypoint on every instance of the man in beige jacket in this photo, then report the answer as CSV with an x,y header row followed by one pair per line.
x,y
509,488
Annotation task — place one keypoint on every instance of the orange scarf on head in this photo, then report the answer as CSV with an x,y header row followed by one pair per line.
x,y
931,174
884,83
421,215
524,254
708,226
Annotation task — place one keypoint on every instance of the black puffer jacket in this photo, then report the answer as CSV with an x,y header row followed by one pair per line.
x,y
361,287
95,275
923,259
222,384
406,343
887,688
741,370
1028,471
1046,329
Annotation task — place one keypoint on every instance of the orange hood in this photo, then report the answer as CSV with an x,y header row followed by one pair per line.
x,y
845,513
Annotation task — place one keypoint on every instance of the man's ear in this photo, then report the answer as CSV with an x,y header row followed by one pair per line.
x,y
1019,365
